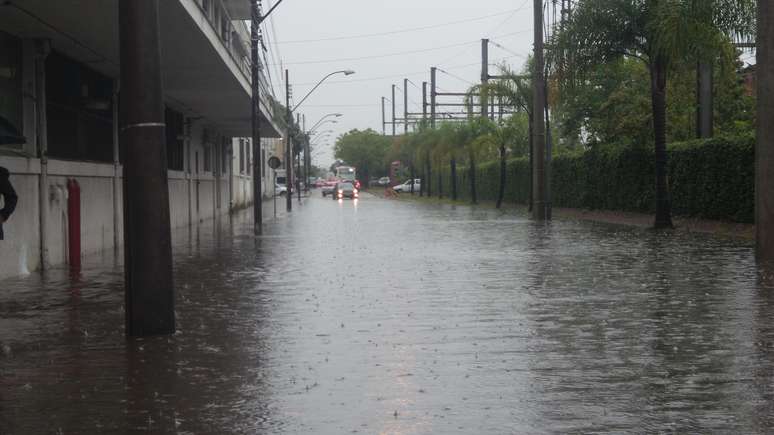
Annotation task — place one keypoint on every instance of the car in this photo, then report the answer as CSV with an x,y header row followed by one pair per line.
x,y
280,190
328,188
319,183
406,186
384,181
345,189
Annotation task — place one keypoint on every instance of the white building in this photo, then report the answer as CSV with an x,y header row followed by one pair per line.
x,y
60,85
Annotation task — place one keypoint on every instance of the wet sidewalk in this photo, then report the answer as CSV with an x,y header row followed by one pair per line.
x,y
389,317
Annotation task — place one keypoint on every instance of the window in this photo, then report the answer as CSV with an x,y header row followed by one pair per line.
x,y
175,132
248,153
241,156
80,111
224,155
11,80
207,157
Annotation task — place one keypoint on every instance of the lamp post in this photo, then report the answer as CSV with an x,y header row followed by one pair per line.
x,y
319,122
289,118
332,121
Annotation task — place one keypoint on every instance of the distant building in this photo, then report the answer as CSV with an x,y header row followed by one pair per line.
x,y
60,85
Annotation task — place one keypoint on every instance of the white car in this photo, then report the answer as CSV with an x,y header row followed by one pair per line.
x,y
406,187
280,190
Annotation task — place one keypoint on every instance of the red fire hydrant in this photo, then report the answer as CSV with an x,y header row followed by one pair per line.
x,y
74,224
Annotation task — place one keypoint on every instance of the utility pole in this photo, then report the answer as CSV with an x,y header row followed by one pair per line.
x,y
433,93
384,120
484,94
256,121
393,110
405,106
298,163
539,130
307,157
764,150
424,100
149,287
288,146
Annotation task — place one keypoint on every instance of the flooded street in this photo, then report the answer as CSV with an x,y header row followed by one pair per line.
x,y
386,317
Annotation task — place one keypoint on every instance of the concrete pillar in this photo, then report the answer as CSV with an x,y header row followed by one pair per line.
x,y
42,50
149,290
764,151
539,130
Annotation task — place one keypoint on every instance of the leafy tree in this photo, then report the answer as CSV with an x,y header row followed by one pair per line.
x,y
365,150
661,33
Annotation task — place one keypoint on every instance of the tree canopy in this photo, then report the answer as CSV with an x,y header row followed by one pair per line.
x,y
364,149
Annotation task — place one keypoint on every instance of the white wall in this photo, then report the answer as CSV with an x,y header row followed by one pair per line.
x,y
20,251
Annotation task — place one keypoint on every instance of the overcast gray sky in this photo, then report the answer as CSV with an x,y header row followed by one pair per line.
x,y
454,47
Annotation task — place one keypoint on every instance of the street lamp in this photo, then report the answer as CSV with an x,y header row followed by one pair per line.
x,y
289,119
320,124
347,72
317,124
321,132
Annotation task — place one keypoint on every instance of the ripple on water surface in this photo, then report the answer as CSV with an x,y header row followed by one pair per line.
x,y
399,317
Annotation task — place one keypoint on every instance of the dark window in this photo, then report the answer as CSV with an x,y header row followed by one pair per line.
x,y
224,155
11,80
80,111
263,161
241,156
207,155
248,153
196,159
175,133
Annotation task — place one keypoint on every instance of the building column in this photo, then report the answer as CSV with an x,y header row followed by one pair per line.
x,y
42,50
150,298
764,150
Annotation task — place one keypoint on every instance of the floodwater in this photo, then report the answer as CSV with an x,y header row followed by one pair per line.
x,y
384,317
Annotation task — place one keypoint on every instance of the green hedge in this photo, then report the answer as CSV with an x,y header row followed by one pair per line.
x,y
711,179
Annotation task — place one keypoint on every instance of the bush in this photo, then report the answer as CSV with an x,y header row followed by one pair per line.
x,y
711,179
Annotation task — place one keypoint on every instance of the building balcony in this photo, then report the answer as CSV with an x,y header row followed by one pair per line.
x,y
205,52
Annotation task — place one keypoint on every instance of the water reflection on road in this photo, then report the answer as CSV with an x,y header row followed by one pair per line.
x,y
404,318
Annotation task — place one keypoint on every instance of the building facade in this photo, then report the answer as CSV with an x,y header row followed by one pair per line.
x,y
60,86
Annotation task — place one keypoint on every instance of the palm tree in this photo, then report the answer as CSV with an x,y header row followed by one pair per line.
x,y
660,33
476,134
515,91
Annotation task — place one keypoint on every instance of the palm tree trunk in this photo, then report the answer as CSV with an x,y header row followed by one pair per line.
x,y
531,161
473,196
429,177
422,184
413,177
501,193
658,79
454,179
440,185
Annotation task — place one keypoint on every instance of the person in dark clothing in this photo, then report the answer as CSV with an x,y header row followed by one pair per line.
x,y
9,198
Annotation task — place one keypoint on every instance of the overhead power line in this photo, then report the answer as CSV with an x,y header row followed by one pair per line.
x,y
378,56
394,32
400,75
